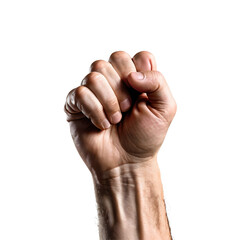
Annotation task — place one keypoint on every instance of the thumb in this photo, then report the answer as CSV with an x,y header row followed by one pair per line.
x,y
155,86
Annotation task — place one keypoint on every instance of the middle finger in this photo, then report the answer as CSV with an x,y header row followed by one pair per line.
x,y
120,89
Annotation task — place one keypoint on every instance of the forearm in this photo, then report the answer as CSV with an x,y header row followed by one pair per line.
x,y
131,203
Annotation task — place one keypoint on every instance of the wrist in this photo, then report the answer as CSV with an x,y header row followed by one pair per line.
x,y
131,202
133,169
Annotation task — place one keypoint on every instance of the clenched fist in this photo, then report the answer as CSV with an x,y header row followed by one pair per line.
x,y
121,112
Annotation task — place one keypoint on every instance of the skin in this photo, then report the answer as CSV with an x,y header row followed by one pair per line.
x,y
118,118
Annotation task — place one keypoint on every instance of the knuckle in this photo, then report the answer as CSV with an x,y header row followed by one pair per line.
x,y
69,96
92,79
119,55
98,65
79,92
70,100
144,54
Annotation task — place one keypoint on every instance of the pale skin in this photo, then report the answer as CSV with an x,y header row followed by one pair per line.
x,y
119,117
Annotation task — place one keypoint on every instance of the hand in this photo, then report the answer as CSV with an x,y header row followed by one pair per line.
x,y
119,117
121,112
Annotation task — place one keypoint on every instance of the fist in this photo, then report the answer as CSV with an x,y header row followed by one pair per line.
x,y
121,112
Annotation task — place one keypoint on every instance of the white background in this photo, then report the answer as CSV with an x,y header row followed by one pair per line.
x,y
46,48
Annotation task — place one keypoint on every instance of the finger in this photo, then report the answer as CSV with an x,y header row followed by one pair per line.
x,y
82,101
114,80
123,64
158,92
70,108
98,85
145,61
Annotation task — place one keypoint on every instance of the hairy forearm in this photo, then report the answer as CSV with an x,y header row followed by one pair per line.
x,y
131,203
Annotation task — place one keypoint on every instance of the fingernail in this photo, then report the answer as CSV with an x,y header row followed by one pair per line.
x,y
106,124
125,105
116,117
137,75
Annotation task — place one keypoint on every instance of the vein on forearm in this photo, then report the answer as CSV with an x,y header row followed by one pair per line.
x,y
131,206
